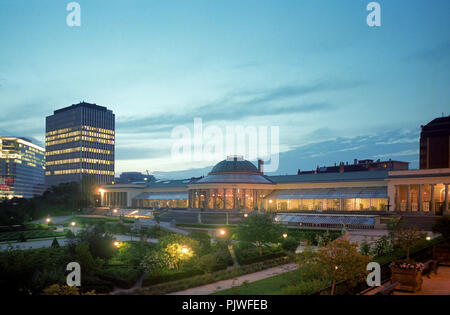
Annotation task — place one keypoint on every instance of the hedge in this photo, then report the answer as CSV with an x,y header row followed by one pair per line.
x,y
199,280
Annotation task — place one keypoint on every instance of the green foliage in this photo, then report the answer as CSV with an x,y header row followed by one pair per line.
x,y
289,244
55,243
179,249
324,239
209,263
167,283
365,248
133,253
155,263
89,264
56,289
100,244
29,272
338,261
260,230
121,276
312,236
407,238
204,240
381,247
57,200
248,253
442,226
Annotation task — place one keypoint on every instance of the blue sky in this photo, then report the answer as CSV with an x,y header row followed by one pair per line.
x,y
337,88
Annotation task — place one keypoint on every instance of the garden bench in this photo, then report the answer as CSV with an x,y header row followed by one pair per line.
x,y
430,266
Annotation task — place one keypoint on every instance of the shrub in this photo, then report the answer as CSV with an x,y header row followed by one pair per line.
x,y
364,248
199,280
382,247
55,243
289,244
442,226
209,263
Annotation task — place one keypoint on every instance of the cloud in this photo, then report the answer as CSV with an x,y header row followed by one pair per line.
x,y
283,100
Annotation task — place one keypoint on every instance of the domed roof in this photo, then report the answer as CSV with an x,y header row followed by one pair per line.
x,y
234,165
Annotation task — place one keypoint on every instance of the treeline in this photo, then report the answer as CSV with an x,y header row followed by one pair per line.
x,y
57,200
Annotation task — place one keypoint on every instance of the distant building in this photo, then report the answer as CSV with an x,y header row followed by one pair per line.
x,y
80,141
360,165
134,177
22,167
435,144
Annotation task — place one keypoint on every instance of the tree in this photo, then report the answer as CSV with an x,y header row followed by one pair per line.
x,y
100,244
155,262
178,248
289,244
55,243
88,263
442,226
382,247
407,238
259,229
342,261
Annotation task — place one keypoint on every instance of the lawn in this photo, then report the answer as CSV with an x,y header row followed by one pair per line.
x,y
268,286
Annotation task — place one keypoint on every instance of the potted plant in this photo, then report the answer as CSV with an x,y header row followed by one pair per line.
x,y
407,273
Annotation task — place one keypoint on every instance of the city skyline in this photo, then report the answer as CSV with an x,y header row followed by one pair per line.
x,y
337,93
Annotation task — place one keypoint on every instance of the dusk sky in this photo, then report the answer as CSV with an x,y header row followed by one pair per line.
x,y
337,88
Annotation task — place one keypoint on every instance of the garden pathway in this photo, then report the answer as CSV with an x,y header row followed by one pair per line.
x,y
138,285
228,284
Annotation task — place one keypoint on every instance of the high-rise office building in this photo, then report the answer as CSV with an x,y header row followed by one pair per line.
x,y
22,167
80,141
435,144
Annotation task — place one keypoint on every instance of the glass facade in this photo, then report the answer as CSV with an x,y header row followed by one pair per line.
x,y
348,204
22,167
80,140
428,198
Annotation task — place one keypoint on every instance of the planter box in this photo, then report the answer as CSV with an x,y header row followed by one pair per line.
x,y
408,279
442,255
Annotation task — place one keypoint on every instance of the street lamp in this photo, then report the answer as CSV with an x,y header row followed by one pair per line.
x,y
116,244
246,215
73,223
184,250
285,235
222,232
428,238
48,220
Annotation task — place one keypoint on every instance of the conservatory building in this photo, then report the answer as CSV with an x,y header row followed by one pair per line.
x,y
238,185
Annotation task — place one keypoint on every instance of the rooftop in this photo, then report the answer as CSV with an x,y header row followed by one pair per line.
x,y
81,104
234,165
